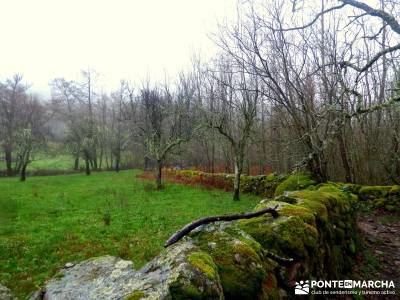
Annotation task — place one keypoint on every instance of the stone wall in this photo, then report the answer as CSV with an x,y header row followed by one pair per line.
x,y
261,185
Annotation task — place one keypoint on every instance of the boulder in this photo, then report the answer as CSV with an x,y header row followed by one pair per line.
x,y
5,293
182,272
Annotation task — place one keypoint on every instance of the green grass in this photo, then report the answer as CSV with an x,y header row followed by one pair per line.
x,y
49,162
48,221
59,162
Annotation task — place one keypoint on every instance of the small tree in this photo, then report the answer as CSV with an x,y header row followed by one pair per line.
x,y
165,121
24,141
234,113
161,122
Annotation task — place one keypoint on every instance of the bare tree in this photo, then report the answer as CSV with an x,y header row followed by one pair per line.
x,y
235,112
12,98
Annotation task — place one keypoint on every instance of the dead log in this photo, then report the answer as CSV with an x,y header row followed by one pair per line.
x,y
206,220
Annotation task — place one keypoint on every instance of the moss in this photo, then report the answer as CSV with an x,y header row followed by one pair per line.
x,y
136,295
302,212
395,190
181,291
271,177
295,182
240,266
324,199
391,207
379,202
339,235
286,198
314,201
287,236
59,275
204,263
372,192
259,185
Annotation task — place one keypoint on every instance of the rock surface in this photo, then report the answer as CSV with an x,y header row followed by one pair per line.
x,y
109,278
5,293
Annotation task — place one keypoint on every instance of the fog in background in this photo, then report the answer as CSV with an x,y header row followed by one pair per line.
x,y
128,39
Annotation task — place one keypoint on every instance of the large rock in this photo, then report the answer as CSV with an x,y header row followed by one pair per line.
x,y
182,272
5,293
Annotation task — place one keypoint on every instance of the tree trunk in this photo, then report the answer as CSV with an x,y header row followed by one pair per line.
x,y
345,159
87,166
101,158
236,182
23,172
8,159
117,162
95,166
159,174
76,163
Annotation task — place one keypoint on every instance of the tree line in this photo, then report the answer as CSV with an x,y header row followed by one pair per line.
x,y
293,87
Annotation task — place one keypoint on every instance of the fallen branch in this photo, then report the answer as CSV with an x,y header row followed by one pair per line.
x,y
206,220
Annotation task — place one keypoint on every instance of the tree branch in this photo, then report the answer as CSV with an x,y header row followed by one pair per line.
x,y
206,220
313,20
389,19
371,61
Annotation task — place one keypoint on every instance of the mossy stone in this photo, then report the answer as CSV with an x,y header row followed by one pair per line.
x,y
136,295
373,192
295,182
240,264
395,190
203,262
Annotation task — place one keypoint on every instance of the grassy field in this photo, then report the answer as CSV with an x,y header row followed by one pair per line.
x,y
48,221
48,162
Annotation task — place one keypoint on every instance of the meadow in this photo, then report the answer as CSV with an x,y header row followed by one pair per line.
x,y
45,161
46,222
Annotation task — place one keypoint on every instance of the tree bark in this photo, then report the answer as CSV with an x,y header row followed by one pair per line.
x,y
238,173
87,166
23,172
76,163
117,162
8,160
345,159
159,175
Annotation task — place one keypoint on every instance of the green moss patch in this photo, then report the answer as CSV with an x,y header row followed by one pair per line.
x,y
294,182
240,266
136,295
373,192
204,263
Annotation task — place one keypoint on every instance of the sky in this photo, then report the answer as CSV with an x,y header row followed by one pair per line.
x,y
120,39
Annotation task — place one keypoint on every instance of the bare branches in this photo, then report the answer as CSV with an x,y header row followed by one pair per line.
x,y
315,19
371,61
389,19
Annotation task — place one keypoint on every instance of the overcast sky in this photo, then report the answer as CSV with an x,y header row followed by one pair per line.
x,y
44,39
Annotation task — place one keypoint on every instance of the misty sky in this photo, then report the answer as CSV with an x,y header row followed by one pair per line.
x,y
44,39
